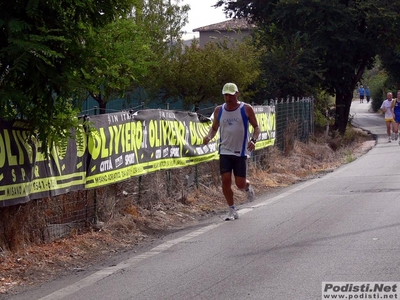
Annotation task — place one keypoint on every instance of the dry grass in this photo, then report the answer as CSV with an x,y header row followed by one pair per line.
x,y
134,222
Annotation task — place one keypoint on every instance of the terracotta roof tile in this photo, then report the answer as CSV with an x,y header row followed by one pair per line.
x,y
232,24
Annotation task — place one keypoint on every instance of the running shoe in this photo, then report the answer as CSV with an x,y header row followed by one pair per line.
x,y
250,194
232,215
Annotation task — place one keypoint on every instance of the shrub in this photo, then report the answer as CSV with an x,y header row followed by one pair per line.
x,y
378,90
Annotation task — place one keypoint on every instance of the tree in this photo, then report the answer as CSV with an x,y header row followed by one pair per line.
x,y
390,60
197,75
117,56
163,22
41,43
344,36
285,66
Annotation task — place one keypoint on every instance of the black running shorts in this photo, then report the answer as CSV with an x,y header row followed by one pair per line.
x,y
229,163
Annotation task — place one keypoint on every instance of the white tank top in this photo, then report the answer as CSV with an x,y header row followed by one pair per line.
x,y
233,131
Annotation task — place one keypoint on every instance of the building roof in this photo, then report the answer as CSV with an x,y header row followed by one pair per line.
x,y
232,24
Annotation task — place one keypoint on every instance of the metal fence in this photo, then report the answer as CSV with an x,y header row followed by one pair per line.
x,y
294,118
48,219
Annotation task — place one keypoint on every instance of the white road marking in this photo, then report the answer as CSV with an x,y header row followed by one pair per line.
x,y
95,277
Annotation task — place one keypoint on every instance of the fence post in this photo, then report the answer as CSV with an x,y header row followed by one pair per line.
x,y
196,176
140,188
168,178
95,206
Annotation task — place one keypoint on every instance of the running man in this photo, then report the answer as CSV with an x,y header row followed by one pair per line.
x,y
232,119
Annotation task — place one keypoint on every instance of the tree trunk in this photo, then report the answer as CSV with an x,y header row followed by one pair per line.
x,y
344,97
343,103
102,106
100,100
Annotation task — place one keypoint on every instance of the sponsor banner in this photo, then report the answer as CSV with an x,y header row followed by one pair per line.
x,y
26,173
114,148
126,145
265,116
360,290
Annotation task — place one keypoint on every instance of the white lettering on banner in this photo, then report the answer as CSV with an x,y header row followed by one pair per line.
x,y
106,165
119,161
212,147
200,151
129,159
158,153
165,152
174,152
112,119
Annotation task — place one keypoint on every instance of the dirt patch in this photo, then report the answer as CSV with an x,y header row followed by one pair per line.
x,y
138,224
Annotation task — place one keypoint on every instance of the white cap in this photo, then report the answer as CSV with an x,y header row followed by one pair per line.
x,y
229,88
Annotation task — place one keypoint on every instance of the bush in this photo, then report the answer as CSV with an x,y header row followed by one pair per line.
x,y
323,104
337,141
378,90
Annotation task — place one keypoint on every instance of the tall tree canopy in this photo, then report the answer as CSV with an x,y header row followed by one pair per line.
x,y
40,49
344,37
390,60
117,56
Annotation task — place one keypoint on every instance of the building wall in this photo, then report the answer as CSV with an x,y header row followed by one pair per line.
x,y
212,36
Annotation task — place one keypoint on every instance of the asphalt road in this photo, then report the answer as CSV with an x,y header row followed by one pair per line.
x,y
341,227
